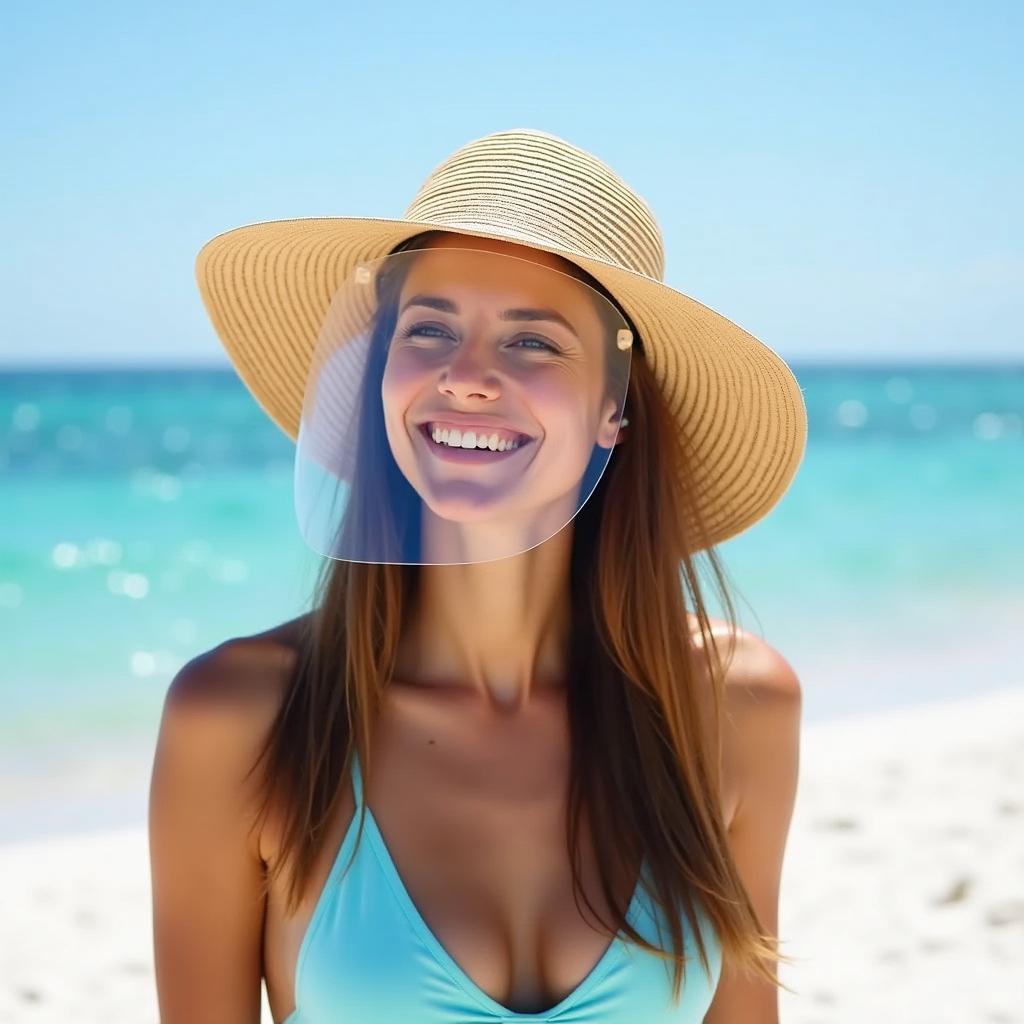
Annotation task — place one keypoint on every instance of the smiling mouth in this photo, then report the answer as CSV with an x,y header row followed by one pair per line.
x,y
474,453
520,441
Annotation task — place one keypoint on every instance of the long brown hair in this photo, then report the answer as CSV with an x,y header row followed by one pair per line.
x,y
642,764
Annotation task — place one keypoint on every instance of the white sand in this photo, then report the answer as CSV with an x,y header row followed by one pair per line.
x,y
903,889
903,885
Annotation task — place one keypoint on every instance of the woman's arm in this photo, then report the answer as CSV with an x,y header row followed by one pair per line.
x,y
206,869
762,734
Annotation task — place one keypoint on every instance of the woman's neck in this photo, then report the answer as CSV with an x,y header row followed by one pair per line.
x,y
498,630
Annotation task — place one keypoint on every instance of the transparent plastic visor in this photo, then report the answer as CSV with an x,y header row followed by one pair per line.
x,y
461,406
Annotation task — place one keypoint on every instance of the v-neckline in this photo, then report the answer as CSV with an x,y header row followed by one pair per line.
x,y
612,953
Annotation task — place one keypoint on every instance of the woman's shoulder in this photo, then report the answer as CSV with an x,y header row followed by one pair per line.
x,y
224,700
241,677
760,712
756,671
218,712
759,674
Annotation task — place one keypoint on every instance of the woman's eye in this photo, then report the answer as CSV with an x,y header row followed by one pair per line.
x,y
423,329
541,341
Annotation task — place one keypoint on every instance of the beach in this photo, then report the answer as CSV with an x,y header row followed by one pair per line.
x,y
903,886
902,892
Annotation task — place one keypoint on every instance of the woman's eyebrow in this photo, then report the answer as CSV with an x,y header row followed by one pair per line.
x,y
447,306
538,314
431,302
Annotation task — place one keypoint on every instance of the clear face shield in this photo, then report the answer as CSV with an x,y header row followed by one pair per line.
x,y
461,406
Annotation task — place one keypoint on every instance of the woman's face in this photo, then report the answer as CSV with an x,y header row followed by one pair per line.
x,y
502,346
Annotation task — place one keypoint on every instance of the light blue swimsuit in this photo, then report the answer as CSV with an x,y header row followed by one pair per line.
x,y
368,957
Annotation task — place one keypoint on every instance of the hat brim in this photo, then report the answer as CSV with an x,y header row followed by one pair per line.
x,y
267,288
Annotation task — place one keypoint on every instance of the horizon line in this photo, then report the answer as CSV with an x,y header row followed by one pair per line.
x,y
809,363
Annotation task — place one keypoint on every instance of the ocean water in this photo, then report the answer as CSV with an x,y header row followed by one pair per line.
x,y
147,516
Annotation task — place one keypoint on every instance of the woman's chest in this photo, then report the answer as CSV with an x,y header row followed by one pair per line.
x,y
472,828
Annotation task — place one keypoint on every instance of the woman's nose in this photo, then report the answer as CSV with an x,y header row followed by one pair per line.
x,y
471,368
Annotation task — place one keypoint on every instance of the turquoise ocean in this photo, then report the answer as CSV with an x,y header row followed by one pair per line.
x,y
147,516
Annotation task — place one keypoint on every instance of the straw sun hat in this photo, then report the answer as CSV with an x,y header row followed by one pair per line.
x,y
267,288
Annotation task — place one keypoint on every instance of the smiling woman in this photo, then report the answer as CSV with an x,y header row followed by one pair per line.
x,y
508,769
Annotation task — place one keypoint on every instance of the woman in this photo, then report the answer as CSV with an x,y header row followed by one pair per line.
x,y
508,768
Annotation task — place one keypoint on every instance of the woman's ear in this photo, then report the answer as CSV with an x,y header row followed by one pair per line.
x,y
611,432
621,436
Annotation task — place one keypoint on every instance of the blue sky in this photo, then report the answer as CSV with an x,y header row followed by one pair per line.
x,y
842,180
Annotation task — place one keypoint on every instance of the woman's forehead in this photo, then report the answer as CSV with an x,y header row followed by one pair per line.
x,y
454,240
459,281
493,270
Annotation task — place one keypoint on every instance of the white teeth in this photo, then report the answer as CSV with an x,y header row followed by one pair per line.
x,y
470,439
